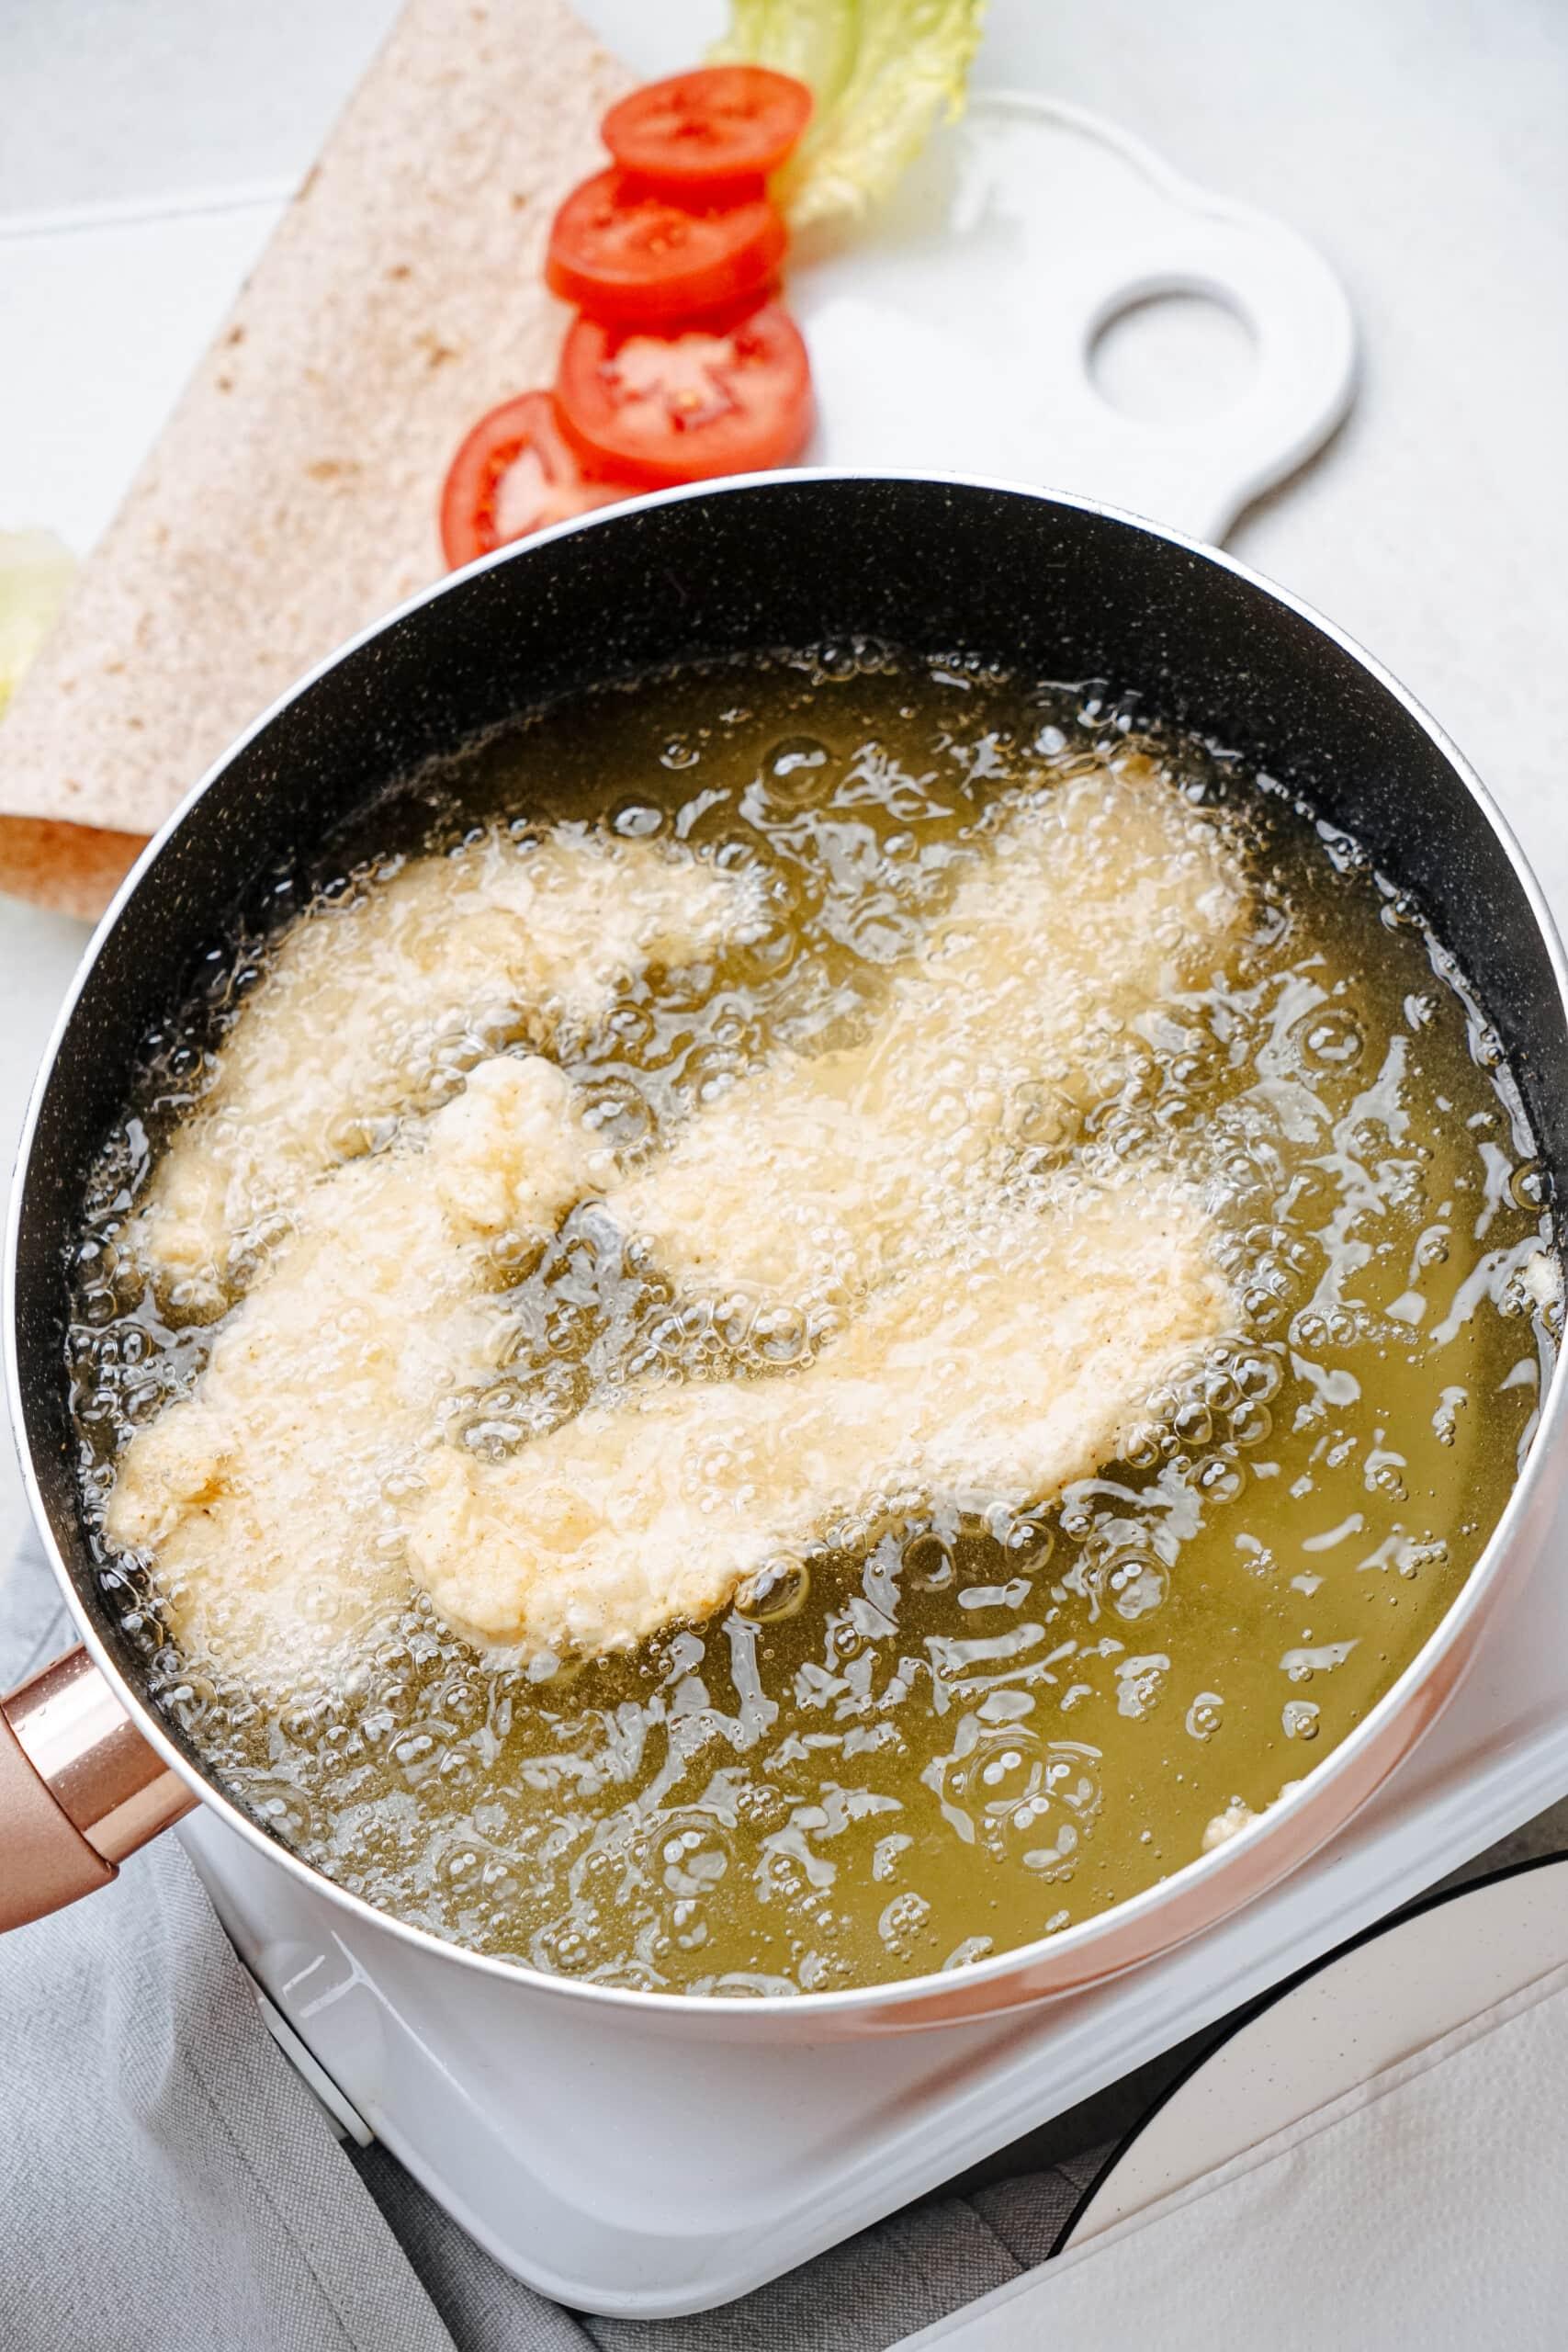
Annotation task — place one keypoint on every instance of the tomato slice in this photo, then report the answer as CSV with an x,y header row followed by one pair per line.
x,y
723,125
514,474
721,399
622,251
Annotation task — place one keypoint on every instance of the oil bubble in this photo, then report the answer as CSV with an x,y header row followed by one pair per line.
x,y
1019,1794
1194,1424
284,1809
1220,1481
1329,1038
1527,1185
903,1922
1138,1586
619,1113
690,1853
190,1701
793,771
564,1947
1039,1116
775,1591
928,1563
1139,1684
637,820
631,1025
778,1334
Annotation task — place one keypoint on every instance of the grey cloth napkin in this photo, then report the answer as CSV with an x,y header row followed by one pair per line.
x,y
166,2180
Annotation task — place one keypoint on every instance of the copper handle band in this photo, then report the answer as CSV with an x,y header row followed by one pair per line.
x,y
79,1788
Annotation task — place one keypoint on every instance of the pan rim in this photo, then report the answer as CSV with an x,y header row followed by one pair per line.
x,y
1214,1886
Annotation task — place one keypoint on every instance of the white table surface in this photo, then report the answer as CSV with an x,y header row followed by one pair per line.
x,y
1420,143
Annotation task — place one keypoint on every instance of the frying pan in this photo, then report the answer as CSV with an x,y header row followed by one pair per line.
x,y
1057,586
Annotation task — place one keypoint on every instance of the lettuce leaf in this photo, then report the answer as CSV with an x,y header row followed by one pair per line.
x,y
882,72
35,572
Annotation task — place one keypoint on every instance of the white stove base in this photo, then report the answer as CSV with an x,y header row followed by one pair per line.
x,y
653,2167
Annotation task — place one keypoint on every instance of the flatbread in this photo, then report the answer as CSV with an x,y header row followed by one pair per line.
x,y
292,498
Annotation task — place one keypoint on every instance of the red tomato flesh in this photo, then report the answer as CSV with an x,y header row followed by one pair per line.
x,y
515,474
622,251
727,398
718,127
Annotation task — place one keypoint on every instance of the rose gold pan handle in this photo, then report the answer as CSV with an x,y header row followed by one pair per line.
x,y
79,1788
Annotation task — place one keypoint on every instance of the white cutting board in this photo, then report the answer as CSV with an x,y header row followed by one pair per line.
x,y
956,331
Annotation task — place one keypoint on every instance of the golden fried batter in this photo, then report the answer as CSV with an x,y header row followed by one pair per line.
x,y
996,1349
1007,1365
814,1176
372,1009
269,1498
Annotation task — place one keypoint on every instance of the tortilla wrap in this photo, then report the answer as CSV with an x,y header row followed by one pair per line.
x,y
292,498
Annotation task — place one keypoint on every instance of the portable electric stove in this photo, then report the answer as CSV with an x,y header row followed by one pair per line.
x,y
622,2168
